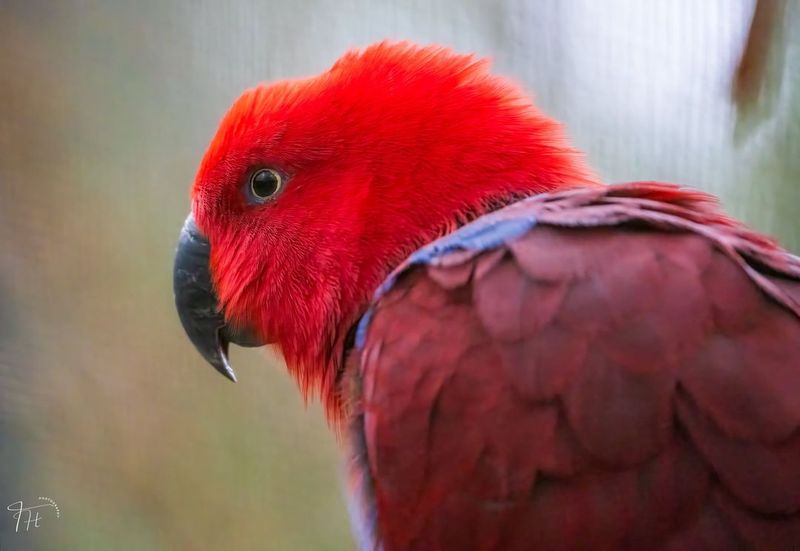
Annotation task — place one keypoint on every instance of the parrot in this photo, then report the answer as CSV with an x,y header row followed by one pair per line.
x,y
513,353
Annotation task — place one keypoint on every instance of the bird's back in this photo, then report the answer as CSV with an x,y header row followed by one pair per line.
x,y
597,369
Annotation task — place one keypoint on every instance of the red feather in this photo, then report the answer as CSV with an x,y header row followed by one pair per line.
x,y
625,375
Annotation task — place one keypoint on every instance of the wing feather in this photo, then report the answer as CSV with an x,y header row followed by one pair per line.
x,y
626,374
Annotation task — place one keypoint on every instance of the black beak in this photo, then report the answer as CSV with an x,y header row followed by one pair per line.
x,y
197,304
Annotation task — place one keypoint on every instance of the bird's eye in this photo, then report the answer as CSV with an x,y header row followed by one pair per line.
x,y
265,183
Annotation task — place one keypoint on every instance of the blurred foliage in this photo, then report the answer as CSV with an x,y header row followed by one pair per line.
x,y
105,110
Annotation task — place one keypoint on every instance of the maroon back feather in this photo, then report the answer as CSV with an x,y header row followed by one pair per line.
x,y
624,375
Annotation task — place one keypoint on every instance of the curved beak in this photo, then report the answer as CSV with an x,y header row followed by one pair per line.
x,y
197,303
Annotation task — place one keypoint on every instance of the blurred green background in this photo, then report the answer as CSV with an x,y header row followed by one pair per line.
x,y
105,111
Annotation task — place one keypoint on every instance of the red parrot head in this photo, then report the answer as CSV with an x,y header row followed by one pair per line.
x,y
312,190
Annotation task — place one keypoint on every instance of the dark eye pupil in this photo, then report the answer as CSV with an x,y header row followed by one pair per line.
x,y
265,183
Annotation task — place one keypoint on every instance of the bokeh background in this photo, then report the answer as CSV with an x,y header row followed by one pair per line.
x,y
105,111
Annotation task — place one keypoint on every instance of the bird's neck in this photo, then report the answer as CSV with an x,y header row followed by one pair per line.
x,y
422,179
404,222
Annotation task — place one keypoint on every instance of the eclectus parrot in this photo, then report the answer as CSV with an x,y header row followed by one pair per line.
x,y
517,356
